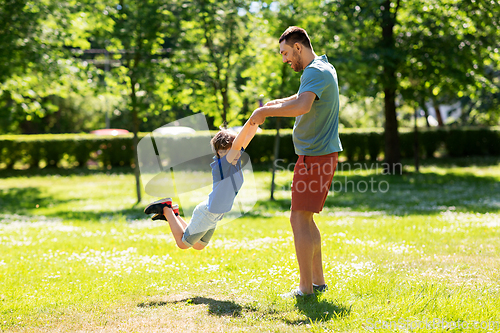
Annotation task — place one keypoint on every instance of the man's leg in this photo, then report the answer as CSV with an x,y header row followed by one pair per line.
x,y
318,277
307,241
178,226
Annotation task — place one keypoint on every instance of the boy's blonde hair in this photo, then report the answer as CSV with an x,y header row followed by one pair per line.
x,y
222,140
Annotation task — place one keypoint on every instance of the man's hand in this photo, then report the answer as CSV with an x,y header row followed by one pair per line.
x,y
257,117
273,102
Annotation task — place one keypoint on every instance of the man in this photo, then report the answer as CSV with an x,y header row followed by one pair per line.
x,y
316,141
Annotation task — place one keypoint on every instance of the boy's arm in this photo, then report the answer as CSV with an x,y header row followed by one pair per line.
x,y
250,135
241,140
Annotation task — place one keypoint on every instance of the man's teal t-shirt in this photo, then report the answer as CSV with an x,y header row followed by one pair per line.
x,y
317,132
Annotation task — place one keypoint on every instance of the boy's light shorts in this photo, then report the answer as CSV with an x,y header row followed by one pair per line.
x,y
202,225
312,178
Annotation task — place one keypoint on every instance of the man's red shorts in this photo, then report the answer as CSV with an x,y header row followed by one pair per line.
x,y
312,178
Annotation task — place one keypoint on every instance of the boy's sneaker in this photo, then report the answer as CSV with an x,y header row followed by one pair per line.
x,y
320,289
175,208
159,217
157,206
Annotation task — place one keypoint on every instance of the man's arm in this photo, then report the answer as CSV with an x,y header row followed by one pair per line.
x,y
291,108
281,100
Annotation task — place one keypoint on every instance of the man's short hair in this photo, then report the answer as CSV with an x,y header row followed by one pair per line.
x,y
294,35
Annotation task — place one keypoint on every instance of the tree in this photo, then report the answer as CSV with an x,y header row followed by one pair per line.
x,y
20,32
36,69
135,33
361,36
416,49
213,53
449,50
484,109
279,86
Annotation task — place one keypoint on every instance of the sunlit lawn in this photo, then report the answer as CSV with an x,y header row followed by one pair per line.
x,y
76,254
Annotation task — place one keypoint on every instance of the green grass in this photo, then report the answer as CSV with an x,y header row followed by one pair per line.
x,y
77,254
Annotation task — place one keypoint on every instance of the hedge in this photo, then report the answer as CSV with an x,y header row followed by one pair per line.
x,y
109,151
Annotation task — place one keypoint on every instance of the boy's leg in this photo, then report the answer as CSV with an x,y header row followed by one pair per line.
x,y
181,221
177,226
202,227
198,246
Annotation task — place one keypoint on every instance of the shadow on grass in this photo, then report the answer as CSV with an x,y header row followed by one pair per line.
x,y
129,214
315,310
319,310
18,200
25,200
215,307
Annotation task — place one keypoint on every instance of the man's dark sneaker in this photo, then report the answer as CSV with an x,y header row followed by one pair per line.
x,y
175,208
320,289
297,293
157,206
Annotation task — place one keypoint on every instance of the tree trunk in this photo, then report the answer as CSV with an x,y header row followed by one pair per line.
x,y
426,113
439,117
135,125
276,154
415,143
225,103
392,146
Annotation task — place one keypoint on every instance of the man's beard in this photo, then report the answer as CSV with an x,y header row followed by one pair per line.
x,y
296,62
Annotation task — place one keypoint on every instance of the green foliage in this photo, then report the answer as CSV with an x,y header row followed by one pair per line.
x,y
169,59
212,57
451,56
375,144
472,142
21,29
430,141
407,144
135,34
74,149
362,113
38,77
443,50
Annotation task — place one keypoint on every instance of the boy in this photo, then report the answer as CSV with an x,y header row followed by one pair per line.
x,y
227,180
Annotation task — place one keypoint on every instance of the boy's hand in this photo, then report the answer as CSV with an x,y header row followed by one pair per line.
x,y
257,117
